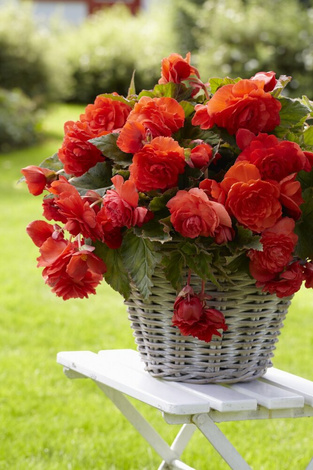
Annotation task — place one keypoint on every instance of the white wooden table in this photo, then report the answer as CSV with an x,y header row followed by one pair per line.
x,y
120,372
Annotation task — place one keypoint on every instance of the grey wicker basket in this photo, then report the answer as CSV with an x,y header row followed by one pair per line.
x,y
243,352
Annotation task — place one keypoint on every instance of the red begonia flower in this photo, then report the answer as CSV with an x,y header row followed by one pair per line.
x,y
37,178
151,117
269,79
105,115
242,105
275,159
175,68
76,153
278,243
157,165
194,215
286,283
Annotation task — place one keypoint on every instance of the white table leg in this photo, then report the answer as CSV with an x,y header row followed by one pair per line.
x,y
168,454
179,444
220,442
310,466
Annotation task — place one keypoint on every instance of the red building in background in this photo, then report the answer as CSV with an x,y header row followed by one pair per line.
x,y
93,5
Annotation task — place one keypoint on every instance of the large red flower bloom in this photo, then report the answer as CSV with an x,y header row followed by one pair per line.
x,y
76,153
274,158
105,115
194,215
278,243
286,283
151,117
242,105
157,165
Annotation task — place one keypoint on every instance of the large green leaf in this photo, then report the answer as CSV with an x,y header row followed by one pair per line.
x,y
97,178
308,137
140,259
52,163
173,263
154,231
306,179
107,145
304,227
292,116
216,83
116,276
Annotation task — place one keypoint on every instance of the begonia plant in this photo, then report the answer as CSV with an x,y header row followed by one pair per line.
x,y
212,177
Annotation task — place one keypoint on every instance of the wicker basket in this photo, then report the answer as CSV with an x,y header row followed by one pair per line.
x,y
243,352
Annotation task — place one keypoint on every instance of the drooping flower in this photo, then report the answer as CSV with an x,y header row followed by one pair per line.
x,y
38,178
157,165
244,104
193,318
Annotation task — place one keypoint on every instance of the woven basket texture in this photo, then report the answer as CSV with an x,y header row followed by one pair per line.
x,y
243,352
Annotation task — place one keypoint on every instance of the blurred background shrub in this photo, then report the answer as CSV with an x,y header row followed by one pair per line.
x,y
242,37
19,120
61,62
30,57
111,44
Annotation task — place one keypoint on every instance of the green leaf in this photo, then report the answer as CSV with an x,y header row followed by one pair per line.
x,y
96,178
292,115
245,240
201,264
52,163
216,83
114,97
179,91
308,137
174,263
140,259
159,202
132,87
187,107
107,145
306,179
116,276
281,83
154,231
304,227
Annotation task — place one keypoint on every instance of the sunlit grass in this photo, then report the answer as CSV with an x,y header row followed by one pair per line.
x,y
48,422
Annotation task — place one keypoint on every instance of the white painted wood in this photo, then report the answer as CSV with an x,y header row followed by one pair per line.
x,y
219,397
136,383
270,396
290,382
219,441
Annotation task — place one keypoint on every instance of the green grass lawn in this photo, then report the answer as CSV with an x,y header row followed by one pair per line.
x,y
48,422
